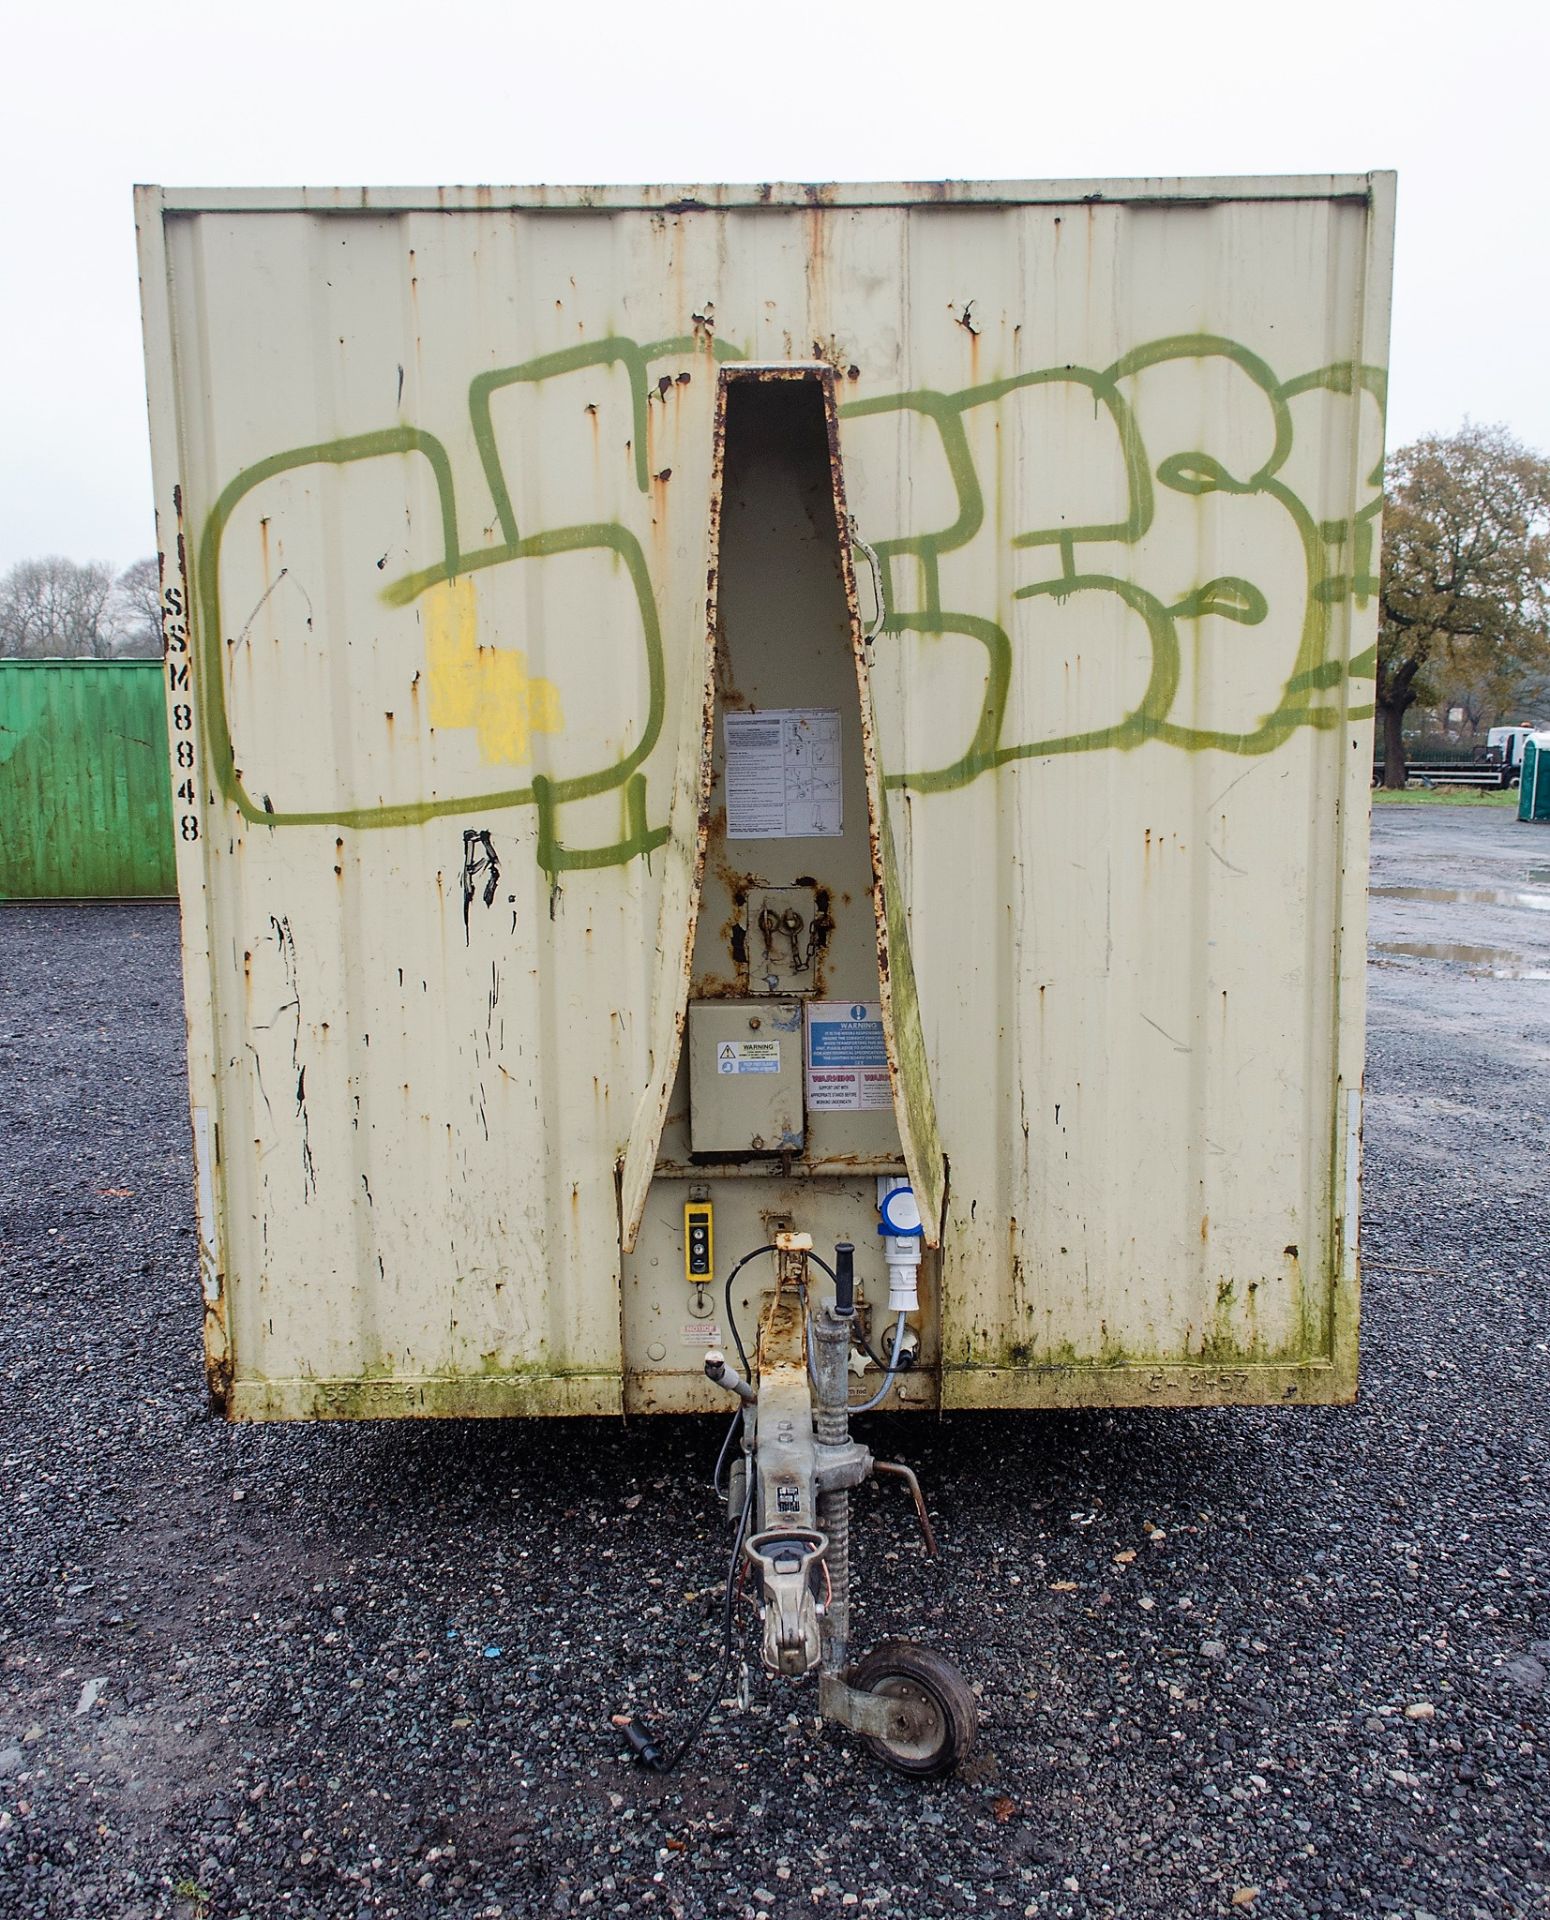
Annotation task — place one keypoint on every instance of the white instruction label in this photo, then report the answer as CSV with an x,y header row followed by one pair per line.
x,y
701,1333
783,774
847,1057
748,1056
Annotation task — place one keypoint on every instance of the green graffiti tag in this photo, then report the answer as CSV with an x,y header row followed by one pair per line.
x,y
1313,670
638,838
1338,559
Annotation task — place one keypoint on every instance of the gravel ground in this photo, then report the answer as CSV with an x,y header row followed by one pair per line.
x,y
369,1671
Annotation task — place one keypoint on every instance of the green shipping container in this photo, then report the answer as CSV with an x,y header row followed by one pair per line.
x,y
1534,778
85,800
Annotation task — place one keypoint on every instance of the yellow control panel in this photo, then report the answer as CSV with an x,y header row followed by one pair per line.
x,y
699,1247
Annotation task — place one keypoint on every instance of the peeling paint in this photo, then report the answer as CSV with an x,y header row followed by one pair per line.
x,y
442,902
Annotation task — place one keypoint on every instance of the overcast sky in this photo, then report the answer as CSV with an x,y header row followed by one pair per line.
x,y
1454,97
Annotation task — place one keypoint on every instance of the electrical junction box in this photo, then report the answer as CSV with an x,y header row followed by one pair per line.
x,y
745,1076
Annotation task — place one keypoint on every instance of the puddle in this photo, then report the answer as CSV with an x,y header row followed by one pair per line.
x,y
1486,960
1473,896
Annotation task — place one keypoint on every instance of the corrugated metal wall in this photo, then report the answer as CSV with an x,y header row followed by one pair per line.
x,y
85,802
439,560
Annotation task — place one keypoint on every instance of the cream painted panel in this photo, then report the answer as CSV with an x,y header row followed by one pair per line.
x,y
440,469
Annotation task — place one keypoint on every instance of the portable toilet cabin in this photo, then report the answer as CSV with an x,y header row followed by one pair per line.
x,y
1534,781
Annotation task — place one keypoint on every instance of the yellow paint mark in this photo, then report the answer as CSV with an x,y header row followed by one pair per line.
x,y
487,688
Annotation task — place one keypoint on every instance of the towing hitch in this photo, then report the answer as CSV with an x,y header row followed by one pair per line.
x,y
798,1467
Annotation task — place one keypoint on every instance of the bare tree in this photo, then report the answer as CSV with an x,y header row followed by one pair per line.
x,y
57,608
137,606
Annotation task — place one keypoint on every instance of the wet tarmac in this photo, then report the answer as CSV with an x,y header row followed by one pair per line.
x,y
1462,890
1290,1662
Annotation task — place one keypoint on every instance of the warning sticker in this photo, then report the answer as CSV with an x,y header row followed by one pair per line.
x,y
701,1333
748,1056
847,1057
783,774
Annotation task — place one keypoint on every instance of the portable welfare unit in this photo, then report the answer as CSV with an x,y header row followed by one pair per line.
x,y
694,709
1534,779
85,807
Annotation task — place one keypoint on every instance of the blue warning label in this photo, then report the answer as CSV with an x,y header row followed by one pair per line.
x,y
846,1034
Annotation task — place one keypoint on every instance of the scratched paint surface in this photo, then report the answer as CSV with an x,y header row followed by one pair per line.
x,y
441,626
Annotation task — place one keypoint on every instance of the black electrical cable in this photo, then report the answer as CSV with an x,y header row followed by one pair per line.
x,y
742,1351
856,1334
641,1740
726,1448
817,1260
645,1747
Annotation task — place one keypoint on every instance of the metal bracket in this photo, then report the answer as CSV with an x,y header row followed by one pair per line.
x,y
838,1469
877,1714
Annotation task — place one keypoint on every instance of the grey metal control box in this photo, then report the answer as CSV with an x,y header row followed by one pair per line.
x,y
745,1076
